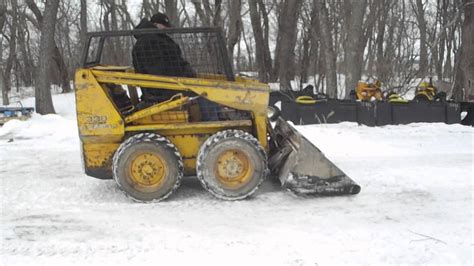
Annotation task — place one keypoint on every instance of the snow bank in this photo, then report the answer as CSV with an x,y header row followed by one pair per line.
x,y
51,127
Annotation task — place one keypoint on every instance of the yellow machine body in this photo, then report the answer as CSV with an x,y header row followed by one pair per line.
x,y
102,127
426,90
396,98
368,91
202,120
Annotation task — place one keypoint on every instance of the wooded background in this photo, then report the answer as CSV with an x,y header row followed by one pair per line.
x,y
325,42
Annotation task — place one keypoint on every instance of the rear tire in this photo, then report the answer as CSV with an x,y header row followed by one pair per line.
x,y
231,164
147,167
421,98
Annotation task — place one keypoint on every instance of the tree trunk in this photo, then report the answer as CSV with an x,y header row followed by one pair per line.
x,y
328,49
304,58
420,17
217,14
3,84
171,7
3,14
463,88
112,47
57,57
205,19
259,41
83,29
287,39
266,48
3,87
44,103
145,11
249,51
28,65
451,40
126,18
61,65
442,19
235,27
314,53
12,49
382,69
354,30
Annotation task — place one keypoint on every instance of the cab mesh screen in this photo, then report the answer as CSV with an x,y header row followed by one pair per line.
x,y
180,53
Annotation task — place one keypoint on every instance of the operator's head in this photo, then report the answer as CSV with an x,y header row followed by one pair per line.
x,y
161,21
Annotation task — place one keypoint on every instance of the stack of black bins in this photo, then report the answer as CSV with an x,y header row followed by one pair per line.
x,y
369,113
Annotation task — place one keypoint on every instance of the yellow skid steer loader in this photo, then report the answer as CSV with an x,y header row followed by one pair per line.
x,y
212,124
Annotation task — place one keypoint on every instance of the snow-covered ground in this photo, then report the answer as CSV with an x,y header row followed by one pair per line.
x,y
415,207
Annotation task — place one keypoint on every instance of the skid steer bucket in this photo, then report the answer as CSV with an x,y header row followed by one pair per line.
x,y
303,168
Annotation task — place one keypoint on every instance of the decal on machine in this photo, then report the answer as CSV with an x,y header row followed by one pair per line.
x,y
97,122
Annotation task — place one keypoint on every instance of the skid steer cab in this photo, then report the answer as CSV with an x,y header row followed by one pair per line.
x,y
148,116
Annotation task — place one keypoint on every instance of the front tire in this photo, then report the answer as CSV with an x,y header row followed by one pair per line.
x,y
231,164
147,167
421,98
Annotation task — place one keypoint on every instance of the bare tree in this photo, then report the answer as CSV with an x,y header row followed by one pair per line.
x,y
43,101
354,15
327,46
110,22
3,84
464,77
57,56
264,68
383,63
419,10
3,87
3,15
149,7
287,39
12,50
266,28
304,45
205,12
83,27
235,26
217,20
319,37
171,7
438,47
26,67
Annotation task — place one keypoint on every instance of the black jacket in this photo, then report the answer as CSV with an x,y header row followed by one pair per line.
x,y
158,54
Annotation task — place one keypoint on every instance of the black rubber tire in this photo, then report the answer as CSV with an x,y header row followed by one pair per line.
x,y
421,98
153,143
231,140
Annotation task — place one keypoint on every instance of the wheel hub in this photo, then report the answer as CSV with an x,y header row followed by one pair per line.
x,y
147,169
233,168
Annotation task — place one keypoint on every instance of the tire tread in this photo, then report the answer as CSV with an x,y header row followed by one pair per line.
x,y
156,139
218,137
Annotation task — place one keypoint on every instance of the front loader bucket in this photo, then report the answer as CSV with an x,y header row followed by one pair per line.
x,y
303,168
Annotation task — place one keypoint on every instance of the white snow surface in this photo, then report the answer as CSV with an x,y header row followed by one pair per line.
x,y
415,207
